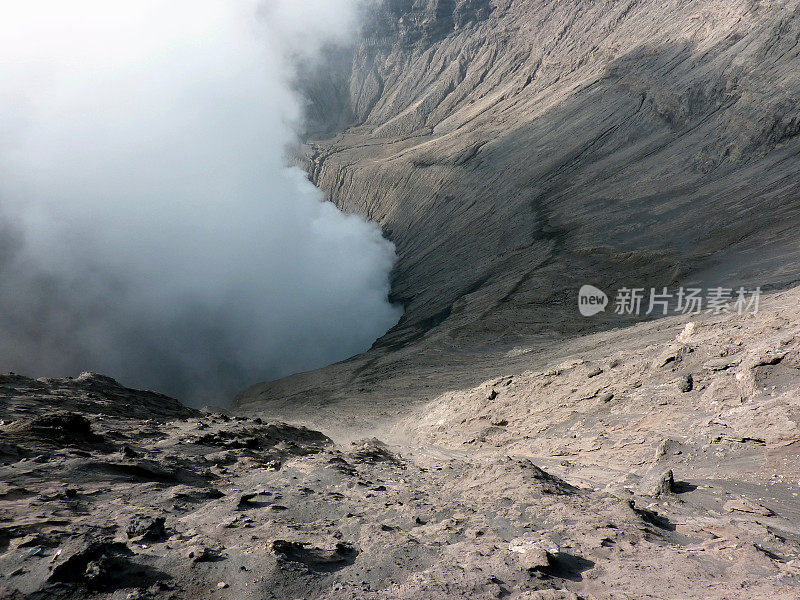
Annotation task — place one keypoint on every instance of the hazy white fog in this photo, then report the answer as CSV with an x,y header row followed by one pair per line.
x,y
148,227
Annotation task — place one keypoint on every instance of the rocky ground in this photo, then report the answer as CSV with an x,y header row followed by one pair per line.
x,y
659,461
494,444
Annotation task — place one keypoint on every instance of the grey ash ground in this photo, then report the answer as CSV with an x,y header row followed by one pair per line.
x,y
513,150
529,486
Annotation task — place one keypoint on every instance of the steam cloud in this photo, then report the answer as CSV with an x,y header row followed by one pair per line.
x,y
150,229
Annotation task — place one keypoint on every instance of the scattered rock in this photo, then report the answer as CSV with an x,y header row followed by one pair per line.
x,y
721,364
199,554
372,451
99,564
294,441
686,335
747,506
315,558
247,500
536,554
651,517
667,447
341,465
144,527
62,428
686,384
665,485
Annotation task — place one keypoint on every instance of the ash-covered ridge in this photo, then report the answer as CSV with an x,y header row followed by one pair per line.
x,y
655,461
515,150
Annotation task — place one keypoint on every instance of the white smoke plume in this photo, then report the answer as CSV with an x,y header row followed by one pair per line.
x,y
150,229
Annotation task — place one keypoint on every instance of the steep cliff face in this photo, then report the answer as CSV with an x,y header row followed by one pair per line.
x,y
516,149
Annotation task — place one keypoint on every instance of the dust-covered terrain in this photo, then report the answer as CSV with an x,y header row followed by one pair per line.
x,y
514,150
494,444
658,461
